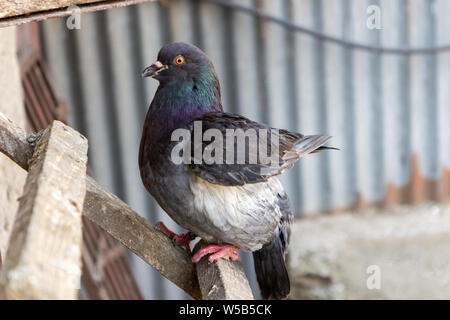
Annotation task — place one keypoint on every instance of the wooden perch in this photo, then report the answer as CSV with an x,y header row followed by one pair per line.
x,y
13,142
44,253
222,279
14,12
114,216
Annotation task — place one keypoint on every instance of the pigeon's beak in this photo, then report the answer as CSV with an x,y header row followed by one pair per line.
x,y
154,69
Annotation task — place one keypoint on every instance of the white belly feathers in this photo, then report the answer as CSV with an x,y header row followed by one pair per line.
x,y
247,215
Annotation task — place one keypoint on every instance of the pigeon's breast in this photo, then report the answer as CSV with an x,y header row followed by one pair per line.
x,y
246,216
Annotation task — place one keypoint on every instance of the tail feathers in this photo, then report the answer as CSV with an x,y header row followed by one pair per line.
x,y
271,273
321,148
310,143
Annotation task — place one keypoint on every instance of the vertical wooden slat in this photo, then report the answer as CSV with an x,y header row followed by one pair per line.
x,y
44,256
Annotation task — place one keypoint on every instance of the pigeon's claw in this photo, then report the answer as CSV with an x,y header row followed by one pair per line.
x,y
184,239
181,239
226,251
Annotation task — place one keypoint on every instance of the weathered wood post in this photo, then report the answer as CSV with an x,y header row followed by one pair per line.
x,y
43,260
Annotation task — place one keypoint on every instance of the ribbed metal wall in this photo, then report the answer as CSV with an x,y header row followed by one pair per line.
x,y
388,113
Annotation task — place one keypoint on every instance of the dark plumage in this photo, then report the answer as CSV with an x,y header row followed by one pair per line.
x,y
239,204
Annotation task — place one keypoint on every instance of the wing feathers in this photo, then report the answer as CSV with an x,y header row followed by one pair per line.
x,y
291,146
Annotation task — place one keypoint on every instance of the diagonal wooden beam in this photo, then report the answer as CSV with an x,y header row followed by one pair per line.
x,y
115,217
13,142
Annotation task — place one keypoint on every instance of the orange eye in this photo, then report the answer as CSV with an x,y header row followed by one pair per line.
x,y
179,60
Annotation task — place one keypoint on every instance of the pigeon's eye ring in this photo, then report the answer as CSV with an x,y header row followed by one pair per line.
x,y
179,60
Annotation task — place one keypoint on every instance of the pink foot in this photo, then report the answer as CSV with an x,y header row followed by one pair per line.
x,y
181,239
220,251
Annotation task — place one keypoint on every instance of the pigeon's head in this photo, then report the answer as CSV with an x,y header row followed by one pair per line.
x,y
181,62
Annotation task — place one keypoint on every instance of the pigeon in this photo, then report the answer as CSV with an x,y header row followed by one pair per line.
x,y
236,203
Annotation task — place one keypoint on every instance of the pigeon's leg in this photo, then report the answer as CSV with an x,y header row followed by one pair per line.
x,y
181,239
220,251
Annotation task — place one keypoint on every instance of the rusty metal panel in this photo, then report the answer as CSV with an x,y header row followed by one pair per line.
x,y
388,111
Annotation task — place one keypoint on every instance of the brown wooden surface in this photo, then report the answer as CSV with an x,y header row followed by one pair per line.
x,y
114,216
43,260
222,279
10,8
13,142
15,12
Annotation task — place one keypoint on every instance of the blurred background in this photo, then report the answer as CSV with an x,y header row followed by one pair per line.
x,y
341,67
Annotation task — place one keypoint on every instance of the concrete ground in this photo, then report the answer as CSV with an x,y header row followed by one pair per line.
x,y
398,253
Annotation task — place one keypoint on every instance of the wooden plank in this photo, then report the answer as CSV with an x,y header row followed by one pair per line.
x,y
10,8
115,217
23,11
222,279
13,142
43,260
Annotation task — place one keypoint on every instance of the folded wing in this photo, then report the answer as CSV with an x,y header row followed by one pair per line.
x,y
259,151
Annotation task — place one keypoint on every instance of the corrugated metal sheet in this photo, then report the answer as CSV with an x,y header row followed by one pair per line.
x,y
388,113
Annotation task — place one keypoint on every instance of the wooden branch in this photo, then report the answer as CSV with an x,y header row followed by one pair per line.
x,y
13,12
114,216
43,260
13,142
222,280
